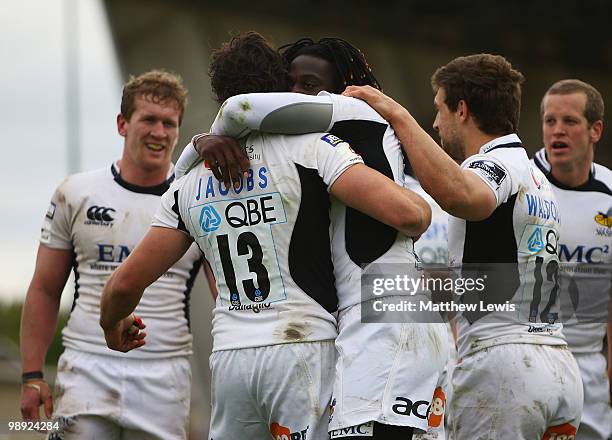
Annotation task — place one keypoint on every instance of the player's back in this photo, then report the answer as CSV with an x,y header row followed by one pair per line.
x,y
267,240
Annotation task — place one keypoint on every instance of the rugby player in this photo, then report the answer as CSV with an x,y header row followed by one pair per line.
x,y
94,221
572,123
516,377
273,328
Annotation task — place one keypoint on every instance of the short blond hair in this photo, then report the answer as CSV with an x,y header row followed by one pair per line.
x,y
157,85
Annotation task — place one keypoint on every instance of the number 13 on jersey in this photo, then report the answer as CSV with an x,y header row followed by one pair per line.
x,y
238,232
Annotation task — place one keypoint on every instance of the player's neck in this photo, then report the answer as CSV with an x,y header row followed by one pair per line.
x,y
572,175
475,140
140,176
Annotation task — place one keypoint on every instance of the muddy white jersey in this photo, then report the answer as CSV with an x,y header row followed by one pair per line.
x,y
267,240
584,254
432,246
357,240
101,218
512,253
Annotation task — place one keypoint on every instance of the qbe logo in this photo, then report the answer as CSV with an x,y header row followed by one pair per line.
x,y
210,220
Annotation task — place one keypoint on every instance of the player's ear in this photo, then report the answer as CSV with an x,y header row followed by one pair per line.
x,y
462,110
595,131
121,124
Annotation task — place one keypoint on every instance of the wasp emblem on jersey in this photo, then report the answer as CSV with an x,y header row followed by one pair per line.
x,y
604,219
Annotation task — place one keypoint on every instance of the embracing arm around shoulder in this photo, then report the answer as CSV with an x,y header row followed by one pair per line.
x,y
374,194
458,191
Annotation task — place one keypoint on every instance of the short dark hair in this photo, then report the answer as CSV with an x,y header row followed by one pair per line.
x,y
490,87
157,85
247,64
594,108
350,63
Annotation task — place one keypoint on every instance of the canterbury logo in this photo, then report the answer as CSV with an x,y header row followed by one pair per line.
x,y
100,213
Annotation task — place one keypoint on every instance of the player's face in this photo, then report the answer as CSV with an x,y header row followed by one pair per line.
x,y
568,137
151,133
310,75
446,126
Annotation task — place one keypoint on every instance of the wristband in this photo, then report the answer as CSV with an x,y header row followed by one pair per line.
x,y
31,375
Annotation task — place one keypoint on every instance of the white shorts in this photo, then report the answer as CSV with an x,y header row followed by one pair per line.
x,y
389,373
596,423
516,391
283,390
152,396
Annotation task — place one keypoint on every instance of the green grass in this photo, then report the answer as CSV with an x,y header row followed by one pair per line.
x,y
10,317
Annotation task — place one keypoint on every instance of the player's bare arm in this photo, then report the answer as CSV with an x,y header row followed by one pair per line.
x,y
377,196
459,192
38,322
156,253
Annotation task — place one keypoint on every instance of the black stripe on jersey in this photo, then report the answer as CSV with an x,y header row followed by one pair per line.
x,y
492,240
488,242
156,190
366,239
591,185
310,263
75,269
510,145
175,207
187,294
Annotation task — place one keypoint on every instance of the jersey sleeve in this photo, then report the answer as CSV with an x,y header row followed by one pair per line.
x,y
333,156
348,108
168,214
189,157
56,231
493,172
285,113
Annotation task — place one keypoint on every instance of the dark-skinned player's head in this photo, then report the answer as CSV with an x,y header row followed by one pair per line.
x,y
329,64
246,64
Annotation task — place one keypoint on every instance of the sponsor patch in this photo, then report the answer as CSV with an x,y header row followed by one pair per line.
x,y
51,211
331,139
537,238
493,172
363,430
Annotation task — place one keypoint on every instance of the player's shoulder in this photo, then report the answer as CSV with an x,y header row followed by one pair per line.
x,y
80,182
603,174
347,108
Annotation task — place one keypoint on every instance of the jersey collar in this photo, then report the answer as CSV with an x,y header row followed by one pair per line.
x,y
508,141
156,190
592,184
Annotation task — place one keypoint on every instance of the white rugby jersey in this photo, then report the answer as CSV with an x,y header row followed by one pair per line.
x,y
520,239
267,240
357,240
584,251
432,247
102,218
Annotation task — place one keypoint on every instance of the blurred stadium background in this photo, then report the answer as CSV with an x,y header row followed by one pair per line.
x,y
404,41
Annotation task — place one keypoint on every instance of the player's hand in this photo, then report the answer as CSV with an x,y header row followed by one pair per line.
x,y
35,393
224,156
384,105
126,335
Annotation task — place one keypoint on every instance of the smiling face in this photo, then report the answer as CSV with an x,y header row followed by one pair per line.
x,y
445,124
309,74
568,136
150,134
